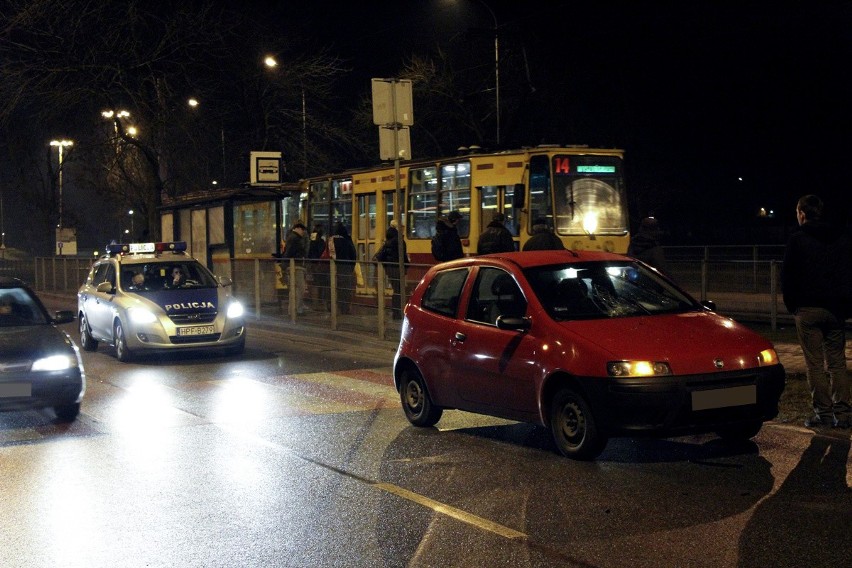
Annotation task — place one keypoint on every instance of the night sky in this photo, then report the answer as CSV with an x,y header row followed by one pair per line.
x,y
723,108
698,93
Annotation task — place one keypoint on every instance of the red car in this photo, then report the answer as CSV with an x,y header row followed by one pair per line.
x,y
589,344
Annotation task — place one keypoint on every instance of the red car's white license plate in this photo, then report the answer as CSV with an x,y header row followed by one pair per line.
x,y
9,390
721,398
196,330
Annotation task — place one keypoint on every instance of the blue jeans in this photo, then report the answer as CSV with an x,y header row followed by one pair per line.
x,y
822,336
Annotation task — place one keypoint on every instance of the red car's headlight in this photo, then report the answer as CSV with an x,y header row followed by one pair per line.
x,y
637,368
767,357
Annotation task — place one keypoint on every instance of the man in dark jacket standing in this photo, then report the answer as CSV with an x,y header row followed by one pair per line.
x,y
543,237
817,287
496,237
295,248
446,244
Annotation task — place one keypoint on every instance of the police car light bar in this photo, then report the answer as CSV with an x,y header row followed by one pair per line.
x,y
142,248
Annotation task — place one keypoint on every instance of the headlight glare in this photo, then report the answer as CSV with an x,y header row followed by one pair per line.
x,y
54,363
235,310
637,368
141,315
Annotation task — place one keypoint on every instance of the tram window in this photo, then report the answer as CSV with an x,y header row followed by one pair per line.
x,y
455,193
540,201
422,202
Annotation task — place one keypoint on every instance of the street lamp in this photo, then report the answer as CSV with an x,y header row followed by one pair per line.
x,y
271,62
132,232
193,104
60,144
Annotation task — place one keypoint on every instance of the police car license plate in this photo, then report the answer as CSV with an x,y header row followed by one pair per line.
x,y
196,330
721,398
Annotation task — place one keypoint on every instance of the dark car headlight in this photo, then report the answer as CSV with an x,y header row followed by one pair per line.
x,y
54,363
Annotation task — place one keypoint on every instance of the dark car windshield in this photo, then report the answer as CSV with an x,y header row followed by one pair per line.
x,y
596,290
17,308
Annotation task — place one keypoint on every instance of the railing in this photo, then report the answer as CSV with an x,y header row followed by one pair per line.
x,y
743,281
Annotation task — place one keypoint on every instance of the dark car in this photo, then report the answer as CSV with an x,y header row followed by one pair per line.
x,y
589,344
40,367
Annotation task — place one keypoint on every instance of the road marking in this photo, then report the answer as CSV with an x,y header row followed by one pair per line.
x,y
449,511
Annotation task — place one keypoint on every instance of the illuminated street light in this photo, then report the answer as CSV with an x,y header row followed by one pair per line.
x,y
60,144
132,232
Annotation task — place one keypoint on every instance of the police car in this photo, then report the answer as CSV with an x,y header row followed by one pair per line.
x,y
154,296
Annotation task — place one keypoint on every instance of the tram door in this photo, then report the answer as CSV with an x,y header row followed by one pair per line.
x,y
498,199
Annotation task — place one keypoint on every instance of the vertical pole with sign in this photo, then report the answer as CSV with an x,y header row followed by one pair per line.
x,y
393,113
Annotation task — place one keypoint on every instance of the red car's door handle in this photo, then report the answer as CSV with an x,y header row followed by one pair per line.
x,y
460,337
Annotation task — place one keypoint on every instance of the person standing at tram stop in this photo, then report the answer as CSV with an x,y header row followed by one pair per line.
x,y
318,268
543,237
496,237
446,243
294,247
388,255
816,281
645,244
342,250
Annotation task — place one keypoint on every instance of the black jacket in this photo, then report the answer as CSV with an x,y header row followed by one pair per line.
x,y
817,270
543,239
446,244
495,238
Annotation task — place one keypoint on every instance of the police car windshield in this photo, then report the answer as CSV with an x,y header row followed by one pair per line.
x,y
157,276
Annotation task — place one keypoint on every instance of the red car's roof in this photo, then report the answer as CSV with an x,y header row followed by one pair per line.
x,y
527,259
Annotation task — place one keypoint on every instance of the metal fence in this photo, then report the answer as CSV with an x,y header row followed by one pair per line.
x,y
743,282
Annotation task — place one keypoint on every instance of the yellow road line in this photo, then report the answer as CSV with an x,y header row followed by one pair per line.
x,y
449,511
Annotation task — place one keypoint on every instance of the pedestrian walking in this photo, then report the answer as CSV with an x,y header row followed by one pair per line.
x,y
645,244
496,237
446,243
543,237
342,250
816,280
295,248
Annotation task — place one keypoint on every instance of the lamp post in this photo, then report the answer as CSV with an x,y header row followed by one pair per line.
x,y
193,104
272,63
132,232
60,144
496,68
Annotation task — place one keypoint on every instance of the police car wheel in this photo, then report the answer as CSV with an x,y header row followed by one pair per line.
x,y
67,412
122,352
87,342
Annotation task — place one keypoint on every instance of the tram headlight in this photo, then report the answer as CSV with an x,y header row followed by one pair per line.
x,y
590,222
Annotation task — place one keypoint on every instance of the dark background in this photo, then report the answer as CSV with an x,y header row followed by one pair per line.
x,y
723,108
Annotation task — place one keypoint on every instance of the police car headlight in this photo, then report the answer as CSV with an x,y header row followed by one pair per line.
x,y
141,315
235,310
54,363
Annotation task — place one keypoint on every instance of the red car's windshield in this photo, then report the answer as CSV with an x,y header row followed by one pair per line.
x,y
605,290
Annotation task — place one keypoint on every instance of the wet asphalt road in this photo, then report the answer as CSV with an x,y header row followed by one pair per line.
x,y
297,454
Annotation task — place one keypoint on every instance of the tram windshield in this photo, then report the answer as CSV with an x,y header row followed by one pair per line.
x,y
589,195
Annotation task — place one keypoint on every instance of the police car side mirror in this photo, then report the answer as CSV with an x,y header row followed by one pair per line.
x,y
225,281
104,288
